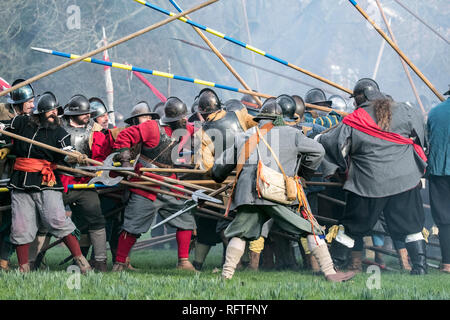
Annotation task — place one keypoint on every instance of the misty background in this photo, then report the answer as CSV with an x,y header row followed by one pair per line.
x,y
327,37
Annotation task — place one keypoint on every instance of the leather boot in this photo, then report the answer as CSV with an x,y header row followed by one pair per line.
x,y
129,266
445,267
197,265
185,264
325,262
339,254
403,259
25,268
4,265
254,261
356,261
417,254
119,266
83,264
100,266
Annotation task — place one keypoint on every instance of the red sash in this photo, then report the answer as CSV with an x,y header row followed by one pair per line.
x,y
362,121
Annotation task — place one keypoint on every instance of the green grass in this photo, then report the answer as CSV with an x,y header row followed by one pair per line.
x,y
158,279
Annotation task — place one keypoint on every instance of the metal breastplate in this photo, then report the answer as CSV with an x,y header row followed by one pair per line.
x,y
163,151
79,137
223,131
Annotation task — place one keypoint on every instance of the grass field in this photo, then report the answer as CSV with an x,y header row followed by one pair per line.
x,y
158,279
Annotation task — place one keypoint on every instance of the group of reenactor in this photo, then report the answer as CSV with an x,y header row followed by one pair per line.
x,y
377,151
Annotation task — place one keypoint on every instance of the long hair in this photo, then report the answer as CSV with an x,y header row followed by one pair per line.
x,y
383,113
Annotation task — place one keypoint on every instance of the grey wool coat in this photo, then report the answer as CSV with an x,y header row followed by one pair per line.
x,y
374,167
288,143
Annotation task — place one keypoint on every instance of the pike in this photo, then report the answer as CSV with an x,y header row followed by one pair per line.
x,y
421,20
108,81
87,173
256,66
196,198
244,45
219,55
397,49
408,75
98,50
175,77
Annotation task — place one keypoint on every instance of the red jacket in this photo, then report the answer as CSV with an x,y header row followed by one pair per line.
x,y
148,134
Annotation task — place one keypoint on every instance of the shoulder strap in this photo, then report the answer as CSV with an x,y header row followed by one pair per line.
x,y
249,147
273,153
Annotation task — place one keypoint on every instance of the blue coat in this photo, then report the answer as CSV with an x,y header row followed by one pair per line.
x,y
439,139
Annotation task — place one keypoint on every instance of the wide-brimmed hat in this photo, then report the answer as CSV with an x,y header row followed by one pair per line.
x,y
141,109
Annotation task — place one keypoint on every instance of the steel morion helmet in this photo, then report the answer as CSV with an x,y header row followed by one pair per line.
x,y
317,96
174,110
288,106
208,101
21,95
98,107
77,105
47,102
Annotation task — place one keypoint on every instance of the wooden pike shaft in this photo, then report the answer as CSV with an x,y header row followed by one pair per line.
x,y
101,49
78,171
408,75
139,186
174,170
220,56
313,106
397,49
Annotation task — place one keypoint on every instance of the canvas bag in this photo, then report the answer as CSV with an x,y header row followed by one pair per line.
x,y
271,184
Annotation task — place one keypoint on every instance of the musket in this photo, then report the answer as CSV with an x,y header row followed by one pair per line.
x,y
112,44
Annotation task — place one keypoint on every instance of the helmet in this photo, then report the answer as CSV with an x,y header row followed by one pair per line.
x,y
338,102
22,94
47,102
208,101
317,96
159,109
174,110
270,110
141,109
98,107
300,105
250,103
288,106
118,116
233,105
77,105
368,89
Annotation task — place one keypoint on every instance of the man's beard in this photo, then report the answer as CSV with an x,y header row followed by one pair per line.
x,y
80,121
43,122
51,125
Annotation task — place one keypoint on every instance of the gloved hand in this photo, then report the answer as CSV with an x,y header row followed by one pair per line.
x,y
77,157
125,158
4,152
